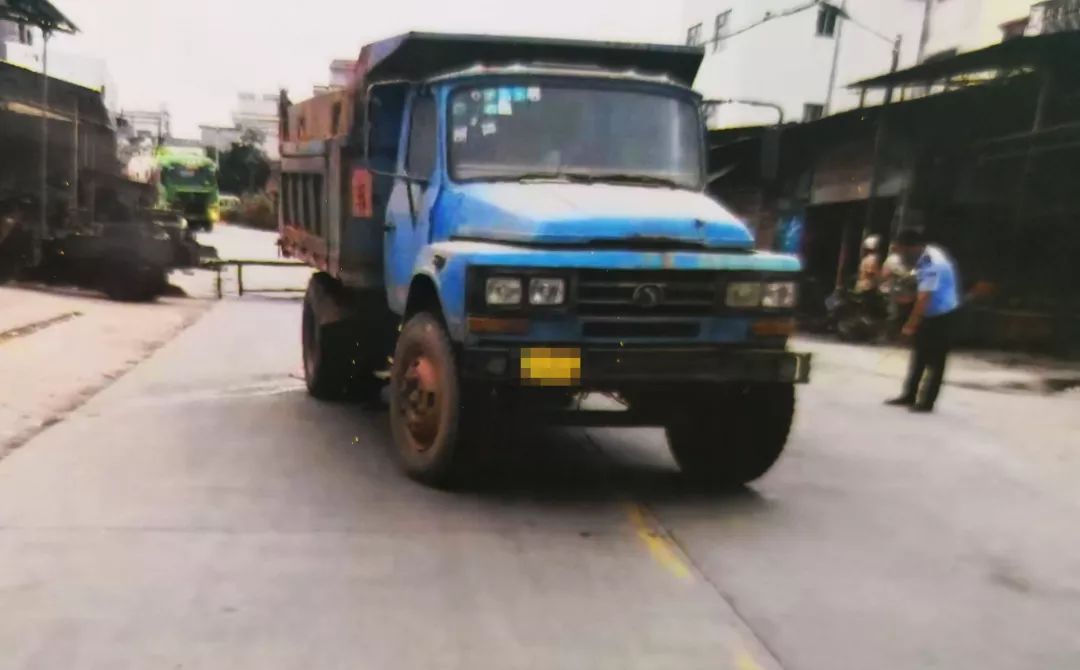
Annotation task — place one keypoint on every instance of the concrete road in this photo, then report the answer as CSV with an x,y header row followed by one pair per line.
x,y
204,512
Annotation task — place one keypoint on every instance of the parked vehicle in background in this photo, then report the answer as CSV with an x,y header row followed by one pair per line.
x,y
229,206
520,231
186,180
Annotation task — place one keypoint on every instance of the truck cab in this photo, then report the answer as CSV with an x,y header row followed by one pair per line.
x,y
187,184
528,228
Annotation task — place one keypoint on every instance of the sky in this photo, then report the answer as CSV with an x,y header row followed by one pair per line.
x,y
194,55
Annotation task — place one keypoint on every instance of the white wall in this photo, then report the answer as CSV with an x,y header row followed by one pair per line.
x,y
966,25
256,104
219,138
75,68
952,24
785,62
259,110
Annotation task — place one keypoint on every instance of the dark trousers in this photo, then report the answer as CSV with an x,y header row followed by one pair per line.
x,y
931,348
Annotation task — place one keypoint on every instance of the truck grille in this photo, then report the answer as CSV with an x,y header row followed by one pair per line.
x,y
618,293
611,303
193,203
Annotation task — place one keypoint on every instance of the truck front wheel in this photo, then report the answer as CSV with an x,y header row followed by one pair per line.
x,y
425,402
734,435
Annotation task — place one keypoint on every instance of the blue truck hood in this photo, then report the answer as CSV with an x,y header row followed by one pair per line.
x,y
562,213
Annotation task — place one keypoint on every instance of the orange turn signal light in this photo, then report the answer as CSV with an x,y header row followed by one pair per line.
x,y
490,324
773,327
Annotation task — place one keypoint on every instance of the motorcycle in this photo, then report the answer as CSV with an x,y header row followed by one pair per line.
x,y
858,316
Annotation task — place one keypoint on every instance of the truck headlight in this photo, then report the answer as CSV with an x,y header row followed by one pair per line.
x,y
780,295
742,294
547,291
503,291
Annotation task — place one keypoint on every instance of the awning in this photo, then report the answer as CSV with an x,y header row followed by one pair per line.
x,y
1059,49
40,13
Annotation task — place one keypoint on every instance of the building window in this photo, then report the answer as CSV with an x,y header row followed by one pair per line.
x,y
827,16
720,30
693,35
812,111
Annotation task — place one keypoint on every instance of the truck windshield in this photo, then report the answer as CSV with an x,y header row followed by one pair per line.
x,y
179,175
535,131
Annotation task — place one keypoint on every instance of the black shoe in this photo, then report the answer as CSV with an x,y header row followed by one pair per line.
x,y
922,408
902,401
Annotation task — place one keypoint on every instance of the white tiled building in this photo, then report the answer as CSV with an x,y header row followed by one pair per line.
x,y
259,111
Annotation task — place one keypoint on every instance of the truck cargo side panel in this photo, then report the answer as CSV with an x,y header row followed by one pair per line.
x,y
362,237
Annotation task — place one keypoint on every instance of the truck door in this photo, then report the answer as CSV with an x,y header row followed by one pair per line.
x,y
407,213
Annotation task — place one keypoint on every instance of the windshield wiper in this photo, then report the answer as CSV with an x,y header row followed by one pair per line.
x,y
541,176
625,178
595,178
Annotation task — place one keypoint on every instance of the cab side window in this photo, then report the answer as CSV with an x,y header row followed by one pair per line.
x,y
420,159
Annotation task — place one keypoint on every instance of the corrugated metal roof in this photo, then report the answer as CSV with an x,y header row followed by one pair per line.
x,y
1058,49
40,13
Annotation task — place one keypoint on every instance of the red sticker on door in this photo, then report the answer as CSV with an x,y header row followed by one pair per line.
x,y
361,194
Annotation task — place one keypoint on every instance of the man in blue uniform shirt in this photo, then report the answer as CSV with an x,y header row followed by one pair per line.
x,y
931,322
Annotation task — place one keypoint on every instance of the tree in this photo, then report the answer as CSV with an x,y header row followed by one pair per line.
x,y
244,167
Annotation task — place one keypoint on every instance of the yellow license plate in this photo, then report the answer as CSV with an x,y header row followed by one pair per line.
x,y
550,366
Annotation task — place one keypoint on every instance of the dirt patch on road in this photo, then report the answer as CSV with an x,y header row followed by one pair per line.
x,y
54,365
30,328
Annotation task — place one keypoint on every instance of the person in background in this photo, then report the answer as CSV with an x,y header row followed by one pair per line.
x,y
897,287
869,268
930,324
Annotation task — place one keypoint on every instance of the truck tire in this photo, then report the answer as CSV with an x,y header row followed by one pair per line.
x,y
425,402
732,437
335,367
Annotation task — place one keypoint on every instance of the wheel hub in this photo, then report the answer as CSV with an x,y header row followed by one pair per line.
x,y
419,400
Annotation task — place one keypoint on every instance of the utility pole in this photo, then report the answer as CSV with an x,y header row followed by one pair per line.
x,y
879,141
835,58
924,36
75,164
42,230
895,65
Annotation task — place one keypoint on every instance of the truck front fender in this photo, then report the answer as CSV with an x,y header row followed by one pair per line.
x,y
442,280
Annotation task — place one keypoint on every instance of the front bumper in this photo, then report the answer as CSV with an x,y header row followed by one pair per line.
x,y
610,366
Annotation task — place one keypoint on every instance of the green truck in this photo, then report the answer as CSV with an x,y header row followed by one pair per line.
x,y
187,184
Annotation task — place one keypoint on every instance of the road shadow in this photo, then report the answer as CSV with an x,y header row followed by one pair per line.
x,y
90,294
568,465
62,290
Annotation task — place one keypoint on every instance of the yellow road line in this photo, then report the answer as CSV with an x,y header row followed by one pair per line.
x,y
744,661
662,550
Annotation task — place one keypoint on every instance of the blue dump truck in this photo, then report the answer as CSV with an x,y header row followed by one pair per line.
x,y
502,226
